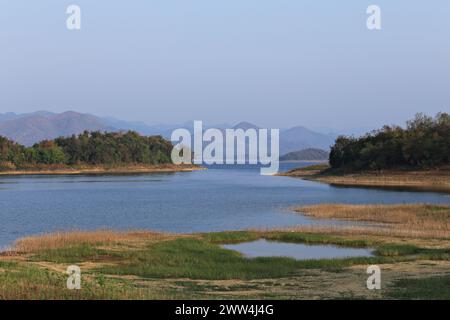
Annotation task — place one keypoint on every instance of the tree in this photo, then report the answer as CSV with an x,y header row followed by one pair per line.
x,y
91,148
425,142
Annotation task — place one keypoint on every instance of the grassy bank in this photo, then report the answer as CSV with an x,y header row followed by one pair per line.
x,y
416,219
148,265
85,169
424,180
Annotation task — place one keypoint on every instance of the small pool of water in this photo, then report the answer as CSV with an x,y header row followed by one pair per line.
x,y
264,248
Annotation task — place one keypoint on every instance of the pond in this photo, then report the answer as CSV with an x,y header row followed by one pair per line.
x,y
298,251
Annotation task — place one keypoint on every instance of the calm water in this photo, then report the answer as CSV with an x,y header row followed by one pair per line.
x,y
264,248
210,200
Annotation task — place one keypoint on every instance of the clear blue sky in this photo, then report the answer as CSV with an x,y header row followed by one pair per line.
x,y
276,63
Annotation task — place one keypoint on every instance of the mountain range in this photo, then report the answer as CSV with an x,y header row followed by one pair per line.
x,y
29,128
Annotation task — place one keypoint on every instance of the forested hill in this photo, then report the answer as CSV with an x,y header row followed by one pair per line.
x,y
424,143
88,148
305,154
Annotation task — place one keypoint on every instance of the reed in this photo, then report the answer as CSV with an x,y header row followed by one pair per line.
x,y
60,240
425,180
414,220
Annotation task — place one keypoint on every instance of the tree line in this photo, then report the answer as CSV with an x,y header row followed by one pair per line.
x,y
423,143
89,148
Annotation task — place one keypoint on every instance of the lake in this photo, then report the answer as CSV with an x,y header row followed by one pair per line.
x,y
220,198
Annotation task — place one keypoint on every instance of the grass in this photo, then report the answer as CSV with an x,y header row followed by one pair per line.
x,y
67,239
199,259
395,250
317,238
422,180
431,219
431,288
302,235
315,167
144,265
92,169
202,257
74,254
25,281
307,171
231,237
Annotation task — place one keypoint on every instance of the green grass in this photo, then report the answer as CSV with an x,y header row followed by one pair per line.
x,y
317,238
231,237
197,259
187,259
322,166
284,236
394,250
203,258
8,264
200,259
432,288
27,281
73,254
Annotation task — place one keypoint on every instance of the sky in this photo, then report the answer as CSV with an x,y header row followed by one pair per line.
x,y
276,63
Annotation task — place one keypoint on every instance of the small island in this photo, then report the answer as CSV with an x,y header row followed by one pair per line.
x,y
90,153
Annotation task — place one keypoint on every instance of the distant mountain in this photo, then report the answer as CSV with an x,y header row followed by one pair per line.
x,y
7,116
298,138
245,126
28,129
137,126
4,117
306,154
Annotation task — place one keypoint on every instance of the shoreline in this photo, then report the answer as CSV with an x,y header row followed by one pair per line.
x,y
143,264
303,161
417,180
133,169
421,220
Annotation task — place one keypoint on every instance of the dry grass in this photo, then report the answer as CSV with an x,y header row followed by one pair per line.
x,y
306,171
86,169
411,220
426,180
25,276
431,181
423,238
65,239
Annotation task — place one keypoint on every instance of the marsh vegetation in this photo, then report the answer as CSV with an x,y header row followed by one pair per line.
x,y
149,265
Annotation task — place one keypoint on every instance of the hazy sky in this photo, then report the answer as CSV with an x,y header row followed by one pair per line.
x,y
276,63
